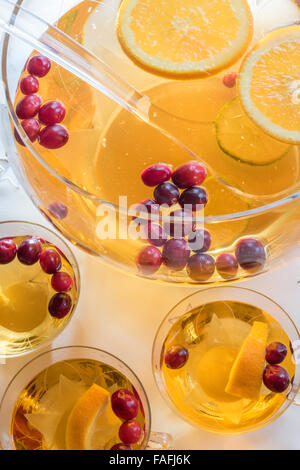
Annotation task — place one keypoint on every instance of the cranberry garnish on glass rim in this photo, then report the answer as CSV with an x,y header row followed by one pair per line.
x,y
61,282
189,174
28,107
180,223
38,65
58,210
176,356
156,174
200,241
60,305
53,136
227,265
29,251
276,378
200,267
29,85
52,112
130,432
50,261
176,254
8,251
124,404
194,197
166,193
276,353
251,254
149,260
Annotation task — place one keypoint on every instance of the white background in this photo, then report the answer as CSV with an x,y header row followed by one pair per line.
x,y
121,314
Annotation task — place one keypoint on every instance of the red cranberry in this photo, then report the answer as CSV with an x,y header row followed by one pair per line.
x,y
52,112
29,85
156,174
121,447
39,65
124,404
276,353
149,260
61,282
195,198
189,174
276,378
60,305
53,136
166,193
155,234
200,241
181,223
176,356
8,251
227,265
176,254
250,254
58,210
28,107
229,79
130,432
145,208
50,261
31,128
29,251
201,267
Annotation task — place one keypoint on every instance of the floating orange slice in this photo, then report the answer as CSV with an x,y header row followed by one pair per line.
x,y
245,379
91,423
184,38
269,84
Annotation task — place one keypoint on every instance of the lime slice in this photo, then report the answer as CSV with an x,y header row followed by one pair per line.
x,y
240,138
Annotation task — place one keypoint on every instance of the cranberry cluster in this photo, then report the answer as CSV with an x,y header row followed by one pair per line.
x,y
29,252
180,237
126,406
53,135
275,377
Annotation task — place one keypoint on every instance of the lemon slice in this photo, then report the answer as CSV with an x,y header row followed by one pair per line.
x,y
245,379
184,38
269,84
92,422
240,138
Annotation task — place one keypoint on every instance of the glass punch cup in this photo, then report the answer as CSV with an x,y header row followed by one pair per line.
x,y
77,398
223,359
39,287
223,82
